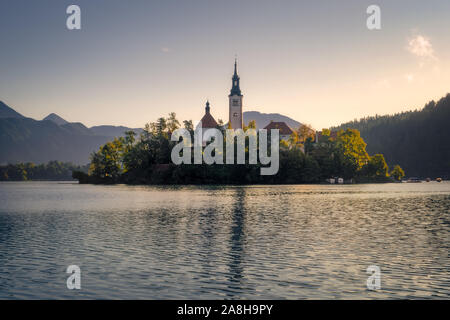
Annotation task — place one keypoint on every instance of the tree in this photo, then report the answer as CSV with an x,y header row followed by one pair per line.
x,y
172,123
293,140
130,138
308,145
251,124
376,168
53,170
327,157
352,149
16,172
106,164
397,173
284,144
147,159
188,125
160,126
326,132
304,132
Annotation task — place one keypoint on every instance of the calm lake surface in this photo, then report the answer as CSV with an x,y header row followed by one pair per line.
x,y
224,242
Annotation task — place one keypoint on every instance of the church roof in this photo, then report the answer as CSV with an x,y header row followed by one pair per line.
x,y
208,120
282,126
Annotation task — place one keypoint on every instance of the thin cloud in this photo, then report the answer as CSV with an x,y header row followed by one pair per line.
x,y
165,49
421,47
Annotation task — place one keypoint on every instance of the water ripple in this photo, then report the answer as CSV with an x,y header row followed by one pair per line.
x,y
224,242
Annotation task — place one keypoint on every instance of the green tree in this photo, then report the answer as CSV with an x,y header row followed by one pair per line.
x,y
188,125
130,138
353,154
304,132
160,126
53,170
106,164
376,168
172,123
16,172
326,132
397,173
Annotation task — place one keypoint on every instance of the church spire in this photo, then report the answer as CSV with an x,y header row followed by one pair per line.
x,y
235,100
207,108
235,89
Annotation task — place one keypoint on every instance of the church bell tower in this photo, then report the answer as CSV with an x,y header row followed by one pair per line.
x,y
235,109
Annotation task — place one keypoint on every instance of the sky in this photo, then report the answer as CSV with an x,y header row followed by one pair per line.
x,y
135,61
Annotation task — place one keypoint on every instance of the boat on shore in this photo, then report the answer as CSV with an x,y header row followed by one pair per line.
x,y
414,180
439,179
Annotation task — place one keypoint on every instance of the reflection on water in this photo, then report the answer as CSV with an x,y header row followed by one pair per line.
x,y
224,242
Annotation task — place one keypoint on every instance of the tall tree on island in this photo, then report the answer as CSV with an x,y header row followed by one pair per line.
x,y
397,173
352,149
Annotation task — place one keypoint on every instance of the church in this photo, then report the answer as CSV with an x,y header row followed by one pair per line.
x,y
235,114
235,107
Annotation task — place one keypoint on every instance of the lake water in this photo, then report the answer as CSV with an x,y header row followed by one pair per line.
x,y
224,242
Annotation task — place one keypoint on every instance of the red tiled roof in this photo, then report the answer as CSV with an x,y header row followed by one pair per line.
x,y
208,121
282,126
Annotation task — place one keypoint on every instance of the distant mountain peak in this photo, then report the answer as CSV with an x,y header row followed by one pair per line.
x,y
112,131
263,119
8,112
56,119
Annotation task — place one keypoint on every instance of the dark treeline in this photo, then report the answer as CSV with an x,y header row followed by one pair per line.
x,y
418,140
146,159
53,170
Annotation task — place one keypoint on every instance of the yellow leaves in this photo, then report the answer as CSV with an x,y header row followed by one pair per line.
x,y
252,125
353,146
284,144
304,132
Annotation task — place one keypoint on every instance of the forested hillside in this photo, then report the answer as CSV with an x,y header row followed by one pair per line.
x,y
27,140
418,140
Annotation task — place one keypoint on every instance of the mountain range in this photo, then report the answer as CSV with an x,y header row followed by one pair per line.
x,y
263,119
25,139
7,112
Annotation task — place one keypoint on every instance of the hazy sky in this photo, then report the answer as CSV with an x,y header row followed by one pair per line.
x,y
134,61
